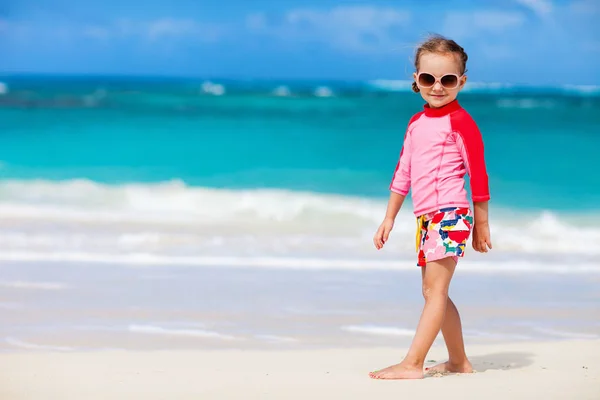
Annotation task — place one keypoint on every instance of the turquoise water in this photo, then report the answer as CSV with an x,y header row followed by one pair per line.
x,y
183,171
247,210
541,145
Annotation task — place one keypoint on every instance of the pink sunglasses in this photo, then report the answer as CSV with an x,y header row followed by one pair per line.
x,y
448,81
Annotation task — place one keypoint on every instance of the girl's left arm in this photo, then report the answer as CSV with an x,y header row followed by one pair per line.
x,y
470,145
481,229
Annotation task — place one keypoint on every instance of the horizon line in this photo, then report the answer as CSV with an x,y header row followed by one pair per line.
x,y
215,79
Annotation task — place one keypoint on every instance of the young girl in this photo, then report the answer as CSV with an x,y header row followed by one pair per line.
x,y
441,145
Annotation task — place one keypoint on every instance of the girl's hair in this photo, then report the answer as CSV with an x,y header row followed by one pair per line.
x,y
440,44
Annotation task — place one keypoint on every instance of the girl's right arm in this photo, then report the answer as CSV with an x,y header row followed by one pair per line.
x,y
399,188
393,207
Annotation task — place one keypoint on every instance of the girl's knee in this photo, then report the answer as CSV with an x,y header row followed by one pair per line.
x,y
432,290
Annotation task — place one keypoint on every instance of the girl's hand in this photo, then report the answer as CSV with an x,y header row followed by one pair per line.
x,y
383,233
481,237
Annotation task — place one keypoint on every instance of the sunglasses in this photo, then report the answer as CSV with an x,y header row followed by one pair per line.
x,y
448,81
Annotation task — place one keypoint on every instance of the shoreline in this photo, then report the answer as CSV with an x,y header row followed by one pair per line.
x,y
552,370
79,307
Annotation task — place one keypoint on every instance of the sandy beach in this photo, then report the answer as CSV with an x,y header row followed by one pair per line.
x,y
545,370
189,196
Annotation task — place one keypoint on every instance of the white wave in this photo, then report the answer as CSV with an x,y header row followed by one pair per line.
x,y
526,103
567,334
172,223
157,330
582,89
33,285
10,306
398,85
495,335
379,330
84,200
282,91
276,339
394,331
392,85
488,87
215,89
32,346
323,91
141,260
3,88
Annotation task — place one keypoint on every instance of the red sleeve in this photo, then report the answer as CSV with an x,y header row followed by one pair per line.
x,y
401,178
470,144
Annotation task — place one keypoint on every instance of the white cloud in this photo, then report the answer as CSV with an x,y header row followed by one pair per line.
x,y
586,7
96,32
497,52
351,17
167,28
172,27
466,24
256,21
18,29
355,28
590,46
497,21
540,7
151,30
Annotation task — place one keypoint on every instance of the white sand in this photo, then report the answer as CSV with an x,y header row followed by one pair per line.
x,y
564,370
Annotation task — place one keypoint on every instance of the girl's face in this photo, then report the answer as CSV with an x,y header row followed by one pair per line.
x,y
439,78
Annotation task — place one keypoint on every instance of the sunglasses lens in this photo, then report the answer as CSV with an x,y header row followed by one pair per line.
x,y
426,80
449,81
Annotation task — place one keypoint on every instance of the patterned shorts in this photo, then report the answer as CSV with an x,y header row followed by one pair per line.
x,y
443,233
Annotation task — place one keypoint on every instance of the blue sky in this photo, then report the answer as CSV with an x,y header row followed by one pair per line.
x,y
515,41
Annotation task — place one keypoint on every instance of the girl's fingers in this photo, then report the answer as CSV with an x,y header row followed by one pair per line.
x,y
377,240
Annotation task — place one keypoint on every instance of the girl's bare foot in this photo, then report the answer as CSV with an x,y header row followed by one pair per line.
x,y
448,367
398,371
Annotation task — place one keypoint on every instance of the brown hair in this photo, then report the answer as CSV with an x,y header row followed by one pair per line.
x,y
440,44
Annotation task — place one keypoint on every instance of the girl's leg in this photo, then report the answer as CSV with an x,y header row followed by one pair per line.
x,y
452,331
436,281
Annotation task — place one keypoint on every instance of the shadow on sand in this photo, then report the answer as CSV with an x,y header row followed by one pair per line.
x,y
494,361
501,361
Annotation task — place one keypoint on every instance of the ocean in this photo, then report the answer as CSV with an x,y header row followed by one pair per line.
x,y
104,177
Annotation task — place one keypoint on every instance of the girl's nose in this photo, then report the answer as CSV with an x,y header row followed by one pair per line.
x,y
437,86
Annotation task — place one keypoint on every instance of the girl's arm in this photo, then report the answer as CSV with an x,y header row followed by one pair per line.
x,y
481,212
481,229
399,188
394,205
470,145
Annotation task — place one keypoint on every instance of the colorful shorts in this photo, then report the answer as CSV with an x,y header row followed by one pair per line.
x,y
443,233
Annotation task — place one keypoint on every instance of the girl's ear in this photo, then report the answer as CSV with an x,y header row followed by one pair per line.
x,y
463,80
414,86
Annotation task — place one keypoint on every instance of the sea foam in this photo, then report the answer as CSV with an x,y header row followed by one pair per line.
x,y
172,223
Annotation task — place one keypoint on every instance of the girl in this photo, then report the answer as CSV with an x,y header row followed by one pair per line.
x,y
441,145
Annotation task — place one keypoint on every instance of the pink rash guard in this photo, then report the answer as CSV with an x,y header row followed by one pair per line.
x,y
441,145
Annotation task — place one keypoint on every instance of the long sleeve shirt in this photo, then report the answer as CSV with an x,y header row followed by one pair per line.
x,y
440,146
